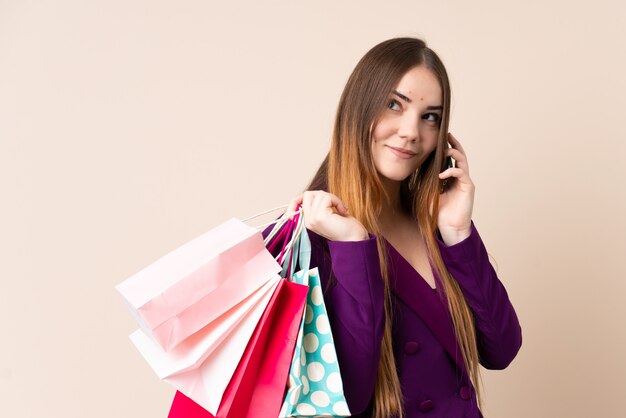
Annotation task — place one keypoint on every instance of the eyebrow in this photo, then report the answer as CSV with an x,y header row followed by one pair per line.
x,y
406,99
402,96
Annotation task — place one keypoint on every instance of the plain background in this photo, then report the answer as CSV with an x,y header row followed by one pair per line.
x,y
130,127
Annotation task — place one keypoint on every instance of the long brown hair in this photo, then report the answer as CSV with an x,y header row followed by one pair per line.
x,y
349,172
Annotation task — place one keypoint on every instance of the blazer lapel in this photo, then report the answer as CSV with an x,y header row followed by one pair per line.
x,y
409,286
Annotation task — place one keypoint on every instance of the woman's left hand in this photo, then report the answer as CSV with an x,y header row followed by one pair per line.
x,y
457,201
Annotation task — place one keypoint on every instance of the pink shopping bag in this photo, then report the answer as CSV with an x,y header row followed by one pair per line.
x,y
183,291
257,388
202,366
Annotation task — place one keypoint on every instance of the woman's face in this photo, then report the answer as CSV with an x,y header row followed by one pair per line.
x,y
407,130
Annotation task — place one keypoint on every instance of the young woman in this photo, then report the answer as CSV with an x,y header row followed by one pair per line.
x,y
414,303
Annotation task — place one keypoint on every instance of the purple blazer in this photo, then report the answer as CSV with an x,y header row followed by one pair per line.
x,y
430,367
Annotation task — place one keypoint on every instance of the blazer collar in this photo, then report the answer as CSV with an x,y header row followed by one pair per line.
x,y
409,286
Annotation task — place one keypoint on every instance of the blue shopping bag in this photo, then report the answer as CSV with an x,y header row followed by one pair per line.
x,y
315,387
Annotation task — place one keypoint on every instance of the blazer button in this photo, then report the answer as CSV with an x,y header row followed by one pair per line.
x,y
411,347
426,405
465,392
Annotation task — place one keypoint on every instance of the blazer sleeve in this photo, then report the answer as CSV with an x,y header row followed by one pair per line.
x,y
354,300
355,303
499,335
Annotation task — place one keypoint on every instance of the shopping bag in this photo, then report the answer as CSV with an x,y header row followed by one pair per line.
x,y
183,291
259,388
315,387
258,385
266,397
202,365
185,407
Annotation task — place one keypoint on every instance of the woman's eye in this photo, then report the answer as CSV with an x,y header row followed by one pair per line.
x,y
393,103
432,117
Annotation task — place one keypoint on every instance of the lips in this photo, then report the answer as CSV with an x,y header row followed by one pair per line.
x,y
401,152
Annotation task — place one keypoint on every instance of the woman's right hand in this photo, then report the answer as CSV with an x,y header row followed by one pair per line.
x,y
326,215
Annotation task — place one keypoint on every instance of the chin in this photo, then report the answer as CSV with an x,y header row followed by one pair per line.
x,y
395,176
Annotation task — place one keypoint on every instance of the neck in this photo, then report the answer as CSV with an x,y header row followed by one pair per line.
x,y
391,208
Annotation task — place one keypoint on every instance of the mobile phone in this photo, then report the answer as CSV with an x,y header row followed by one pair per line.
x,y
448,164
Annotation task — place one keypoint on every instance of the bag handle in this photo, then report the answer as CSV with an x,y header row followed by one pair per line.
x,y
300,246
281,220
296,242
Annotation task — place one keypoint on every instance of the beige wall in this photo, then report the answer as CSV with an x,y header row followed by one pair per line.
x,y
130,127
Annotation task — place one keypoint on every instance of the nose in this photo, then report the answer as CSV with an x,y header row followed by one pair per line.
x,y
409,128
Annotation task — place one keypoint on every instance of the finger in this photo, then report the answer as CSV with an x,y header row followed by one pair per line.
x,y
452,172
322,201
319,206
336,203
316,209
293,206
315,203
307,209
461,159
455,143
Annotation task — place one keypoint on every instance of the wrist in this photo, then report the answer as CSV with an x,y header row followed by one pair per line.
x,y
355,236
451,237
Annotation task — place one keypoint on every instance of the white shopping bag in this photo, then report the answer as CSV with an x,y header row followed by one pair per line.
x,y
183,291
201,366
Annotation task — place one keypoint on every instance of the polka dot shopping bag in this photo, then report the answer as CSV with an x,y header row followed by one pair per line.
x,y
315,387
